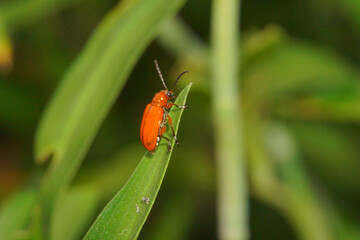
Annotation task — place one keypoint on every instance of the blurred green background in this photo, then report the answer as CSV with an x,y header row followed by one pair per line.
x,y
300,89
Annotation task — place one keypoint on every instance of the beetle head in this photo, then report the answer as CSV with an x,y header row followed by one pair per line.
x,y
169,94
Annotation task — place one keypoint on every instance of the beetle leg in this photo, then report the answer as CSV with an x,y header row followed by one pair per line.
x,y
170,104
164,120
169,143
184,107
162,130
172,129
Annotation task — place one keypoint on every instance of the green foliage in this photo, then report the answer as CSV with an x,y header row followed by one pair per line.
x,y
15,213
91,86
73,213
299,79
19,13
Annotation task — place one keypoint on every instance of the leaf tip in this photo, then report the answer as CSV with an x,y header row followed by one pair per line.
x,y
44,155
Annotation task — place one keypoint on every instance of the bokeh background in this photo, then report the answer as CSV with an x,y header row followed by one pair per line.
x,y
300,102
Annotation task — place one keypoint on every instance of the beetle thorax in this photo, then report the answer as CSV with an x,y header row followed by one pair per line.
x,y
160,99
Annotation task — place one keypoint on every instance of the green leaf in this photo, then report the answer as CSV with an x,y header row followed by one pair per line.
x,y
339,105
257,44
300,196
90,87
19,13
314,137
74,212
15,212
310,68
125,215
352,11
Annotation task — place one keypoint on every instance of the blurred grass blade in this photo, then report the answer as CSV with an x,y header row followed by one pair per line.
x,y
339,105
257,44
125,215
74,212
274,72
89,88
15,212
352,11
230,160
303,205
19,13
314,137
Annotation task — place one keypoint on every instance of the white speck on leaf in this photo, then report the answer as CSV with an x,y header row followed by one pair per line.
x,y
146,200
123,231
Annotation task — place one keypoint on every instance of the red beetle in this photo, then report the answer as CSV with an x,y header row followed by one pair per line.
x,y
155,117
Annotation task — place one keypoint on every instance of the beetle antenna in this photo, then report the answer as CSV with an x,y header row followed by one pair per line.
x,y
178,79
159,72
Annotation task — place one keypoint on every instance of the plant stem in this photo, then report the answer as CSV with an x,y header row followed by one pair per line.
x,y
231,192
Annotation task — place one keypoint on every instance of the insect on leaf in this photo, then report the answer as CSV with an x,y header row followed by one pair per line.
x,y
125,215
